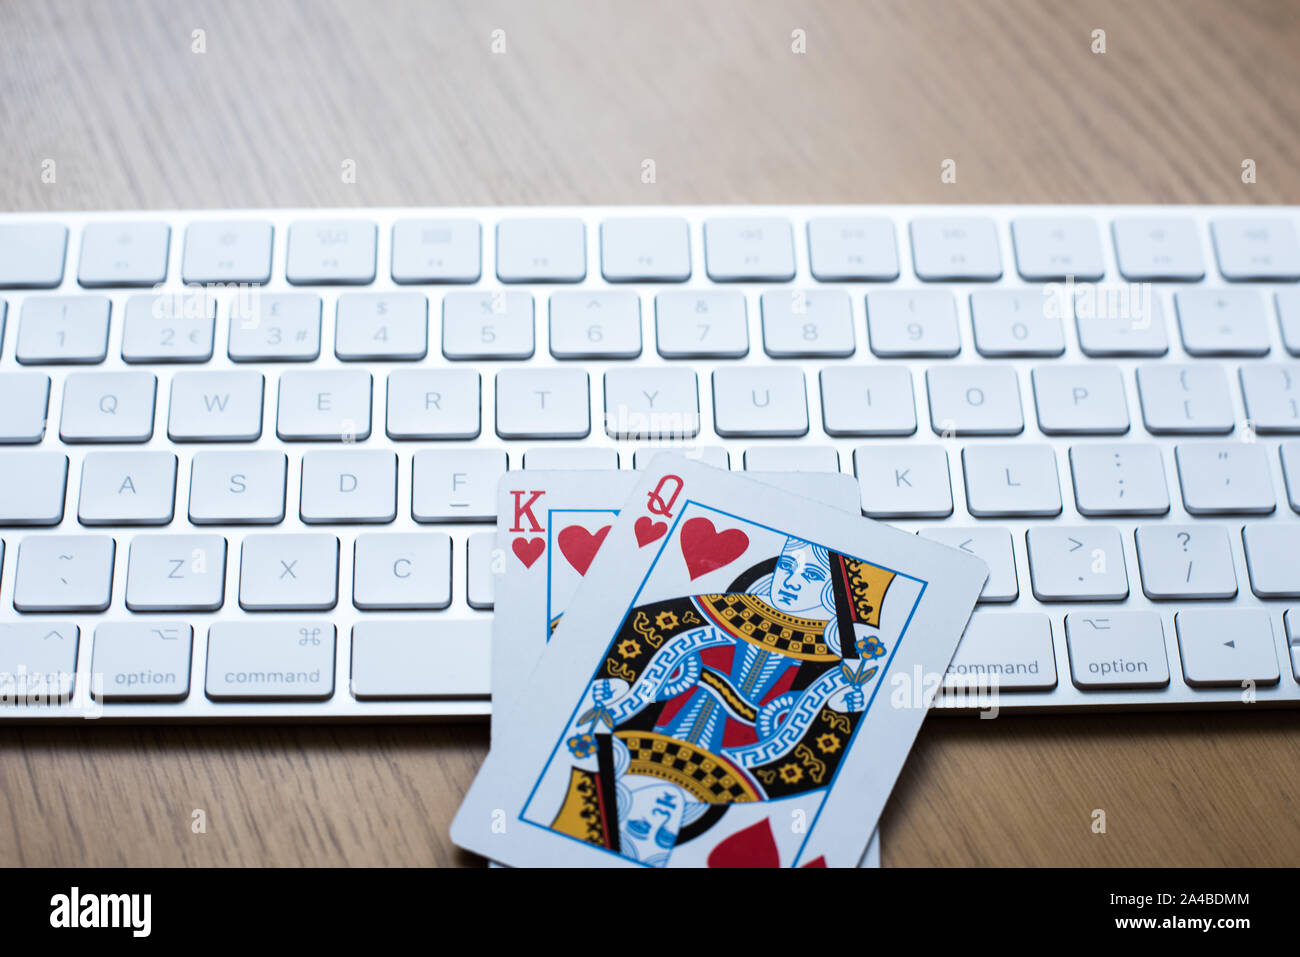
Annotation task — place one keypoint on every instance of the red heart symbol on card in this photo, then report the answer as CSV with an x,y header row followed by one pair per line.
x,y
579,545
647,530
706,549
528,550
753,846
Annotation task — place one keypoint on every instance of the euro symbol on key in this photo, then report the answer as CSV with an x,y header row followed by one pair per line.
x,y
656,504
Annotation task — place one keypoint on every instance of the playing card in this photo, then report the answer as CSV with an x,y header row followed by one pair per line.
x,y
737,681
575,509
564,516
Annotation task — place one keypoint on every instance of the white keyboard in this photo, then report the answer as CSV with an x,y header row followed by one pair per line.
x,y
247,458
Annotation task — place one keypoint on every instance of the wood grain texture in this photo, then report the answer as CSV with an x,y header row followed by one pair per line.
x,y
713,94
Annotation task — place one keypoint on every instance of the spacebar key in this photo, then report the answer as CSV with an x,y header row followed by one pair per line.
x,y
287,660
396,660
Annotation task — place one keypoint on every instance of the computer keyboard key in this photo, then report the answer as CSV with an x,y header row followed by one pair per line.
x,y
1288,317
595,325
32,254
990,544
431,404
749,249
903,481
974,400
355,486
331,405
541,250
1180,398
575,457
1009,651
176,573
282,660
331,251
714,456
408,660
652,403
912,323
792,458
436,250
1271,559
212,406
24,405
1222,322
1149,247
1077,563
169,328
381,326
275,327
1120,650
867,400
402,572
1291,623
289,572
1271,391
1251,248
1004,480
1120,320
645,249
134,661
487,325
759,401
124,254
847,249
1227,647
1185,562
543,404
64,573
246,487
1290,455
1050,248
141,661
456,485
480,580
1080,399
955,248
704,324
55,330
807,322
1119,479
227,251
38,662
1013,322
32,487
108,407
127,488
1221,478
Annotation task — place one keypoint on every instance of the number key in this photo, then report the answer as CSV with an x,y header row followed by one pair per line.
x,y
801,322
701,325
912,323
595,325
275,328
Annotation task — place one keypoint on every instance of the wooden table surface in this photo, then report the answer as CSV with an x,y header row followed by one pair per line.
x,y
285,92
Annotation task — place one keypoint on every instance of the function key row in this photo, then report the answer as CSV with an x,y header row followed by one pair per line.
x,y
607,324
653,249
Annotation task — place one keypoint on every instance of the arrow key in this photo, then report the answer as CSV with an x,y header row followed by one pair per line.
x,y
993,545
1225,647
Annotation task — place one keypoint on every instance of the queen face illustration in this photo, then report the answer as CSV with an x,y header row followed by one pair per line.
x,y
799,580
